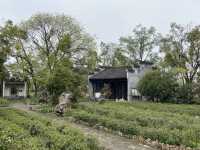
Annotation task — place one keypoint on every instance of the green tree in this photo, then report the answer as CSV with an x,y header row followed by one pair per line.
x,y
113,55
140,44
55,37
12,38
181,48
9,37
158,86
65,79
50,39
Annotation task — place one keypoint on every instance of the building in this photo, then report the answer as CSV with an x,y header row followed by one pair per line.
x,y
13,89
122,82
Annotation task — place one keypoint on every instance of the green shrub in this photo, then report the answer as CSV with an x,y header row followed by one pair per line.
x,y
157,85
4,102
46,108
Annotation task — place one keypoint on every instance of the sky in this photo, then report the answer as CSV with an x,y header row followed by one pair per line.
x,y
108,20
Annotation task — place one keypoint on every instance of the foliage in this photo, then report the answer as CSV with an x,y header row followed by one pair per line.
x,y
65,79
4,102
46,108
168,123
112,55
157,85
8,36
48,40
185,93
21,131
140,45
182,52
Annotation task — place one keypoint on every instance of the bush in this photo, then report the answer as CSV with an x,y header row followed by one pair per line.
x,y
46,108
158,86
185,93
4,102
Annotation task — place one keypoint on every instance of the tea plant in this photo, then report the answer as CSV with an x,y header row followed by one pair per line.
x,y
170,124
22,131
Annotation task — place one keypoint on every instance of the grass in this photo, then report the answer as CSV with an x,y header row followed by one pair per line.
x,y
168,123
23,131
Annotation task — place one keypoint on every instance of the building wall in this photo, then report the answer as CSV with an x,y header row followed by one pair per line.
x,y
6,91
21,91
134,78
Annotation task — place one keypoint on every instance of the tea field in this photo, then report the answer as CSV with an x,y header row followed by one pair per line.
x,y
24,131
168,123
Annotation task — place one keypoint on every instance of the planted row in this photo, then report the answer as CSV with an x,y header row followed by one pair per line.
x,y
167,127
48,134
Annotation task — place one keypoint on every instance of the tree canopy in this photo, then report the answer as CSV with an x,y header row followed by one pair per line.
x,y
39,45
141,43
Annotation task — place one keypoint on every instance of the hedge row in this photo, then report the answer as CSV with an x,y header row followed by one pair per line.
x,y
165,126
22,131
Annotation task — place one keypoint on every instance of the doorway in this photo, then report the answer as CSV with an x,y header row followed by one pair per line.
x,y
13,91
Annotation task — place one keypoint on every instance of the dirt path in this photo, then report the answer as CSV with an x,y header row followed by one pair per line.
x,y
107,140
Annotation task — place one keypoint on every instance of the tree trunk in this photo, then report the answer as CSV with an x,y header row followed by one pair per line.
x,y
35,88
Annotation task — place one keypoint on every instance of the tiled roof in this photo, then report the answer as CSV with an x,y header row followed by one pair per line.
x,y
111,73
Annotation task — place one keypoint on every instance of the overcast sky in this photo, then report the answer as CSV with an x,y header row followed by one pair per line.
x,y
107,20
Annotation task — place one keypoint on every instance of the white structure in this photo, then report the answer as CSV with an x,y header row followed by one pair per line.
x,y
13,89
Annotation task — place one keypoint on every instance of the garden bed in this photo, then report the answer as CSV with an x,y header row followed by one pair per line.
x,y
168,123
22,131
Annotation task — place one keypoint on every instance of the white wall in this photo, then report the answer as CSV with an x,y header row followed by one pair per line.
x,y
134,77
6,91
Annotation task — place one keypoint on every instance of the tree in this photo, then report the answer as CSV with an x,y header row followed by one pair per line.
x,y
2,67
158,86
140,45
65,79
50,40
9,35
12,38
56,37
113,55
182,52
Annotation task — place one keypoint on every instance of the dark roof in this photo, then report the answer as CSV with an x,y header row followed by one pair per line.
x,y
13,81
111,73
